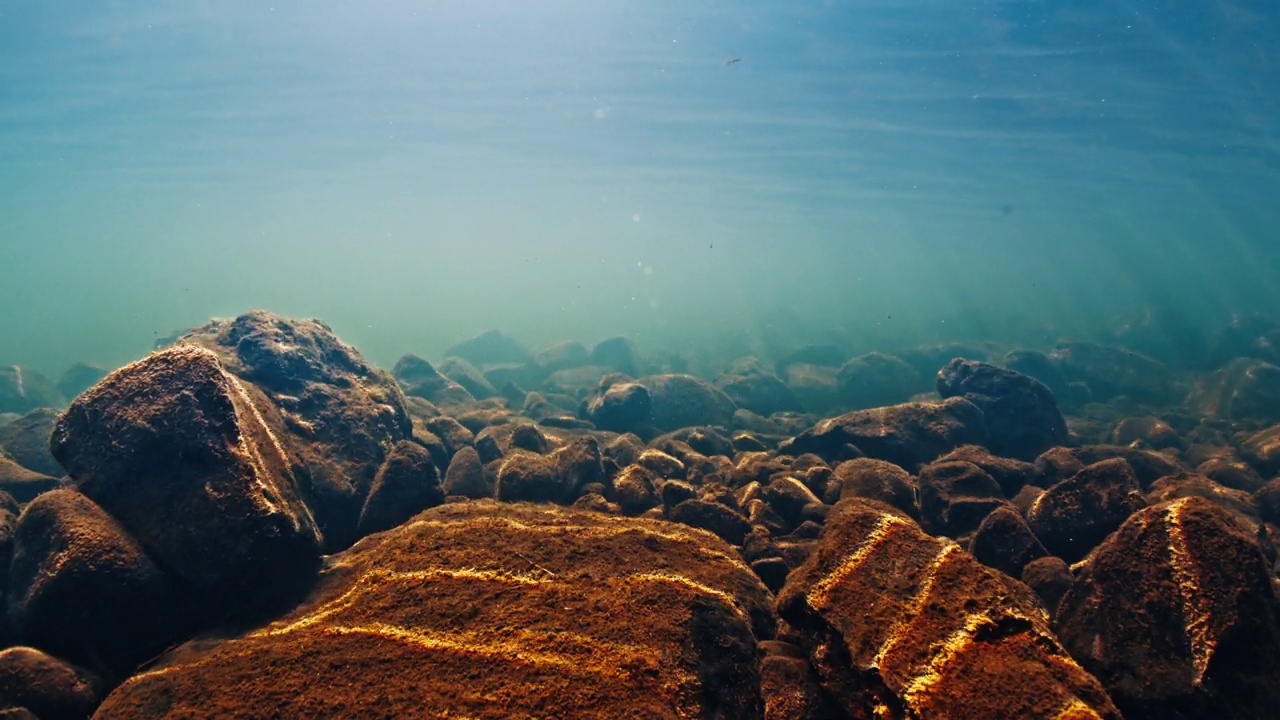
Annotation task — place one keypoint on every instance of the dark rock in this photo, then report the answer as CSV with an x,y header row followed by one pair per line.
x,y
1231,473
468,376
908,435
772,572
622,407
926,359
1021,413
528,437
624,449
731,526
9,511
1025,498
829,355
747,442
1057,464
466,476
815,387
580,463
1245,389
478,610
1147,465
452,433
23,390
335,413
490,348
708,442
1011,474
661,464
46,687
1111,371
27,441
562,356
173,447
1039,366
82,588
759,392
420,379
407,484
956,496
1246,335
1005,542
1050,578
1176,614
636,489
23,484
874,480
579,383
1183,485
1261,449
791,689
617,354
78,378
1075,515
788,497
1150,431
681,401
876,379
675,492
891,617
526,476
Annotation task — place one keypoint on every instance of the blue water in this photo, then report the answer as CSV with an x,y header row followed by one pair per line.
x,y
906,170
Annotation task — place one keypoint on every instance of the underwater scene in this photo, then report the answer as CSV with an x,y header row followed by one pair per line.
x,y
728,360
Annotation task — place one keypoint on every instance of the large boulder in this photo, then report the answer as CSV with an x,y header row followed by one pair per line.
x,y
1177,614
176,450
45,687
84,589
1021,413
1074,515
1111,371
895,619
27,441
681,401
407,484
955,496
341,415
80,377
1245,389
23,390
621,407
491,348
419,378
907,435
758,390
473,610
23,484
877,379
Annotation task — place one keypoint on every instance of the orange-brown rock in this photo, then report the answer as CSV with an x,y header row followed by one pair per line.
x,y
484,610
1177,615
903,625
44,686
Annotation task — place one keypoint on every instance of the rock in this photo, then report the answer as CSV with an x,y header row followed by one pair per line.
x,y
896,619
9,512
636,488
1177,615
877,379
1005,542
714,517
530,477
1231,473
562,356
1012,475
78,378
1040,366
452,433
1050,578
27,441
759,391
788,497
681,401
1189,484
474,609
1021,414
1246,335
1245,389
407,484
1267,500
791,689
1075,515
1147,465
1261,449
674,492
23,390
469,377
48,688
173,447
528,437
23,484
874,480
926,359
339,415
823,354
815,387
1111,371
466,476
622,407
617,354
419,378
490,348
955,497
82,588
908,435
1150,431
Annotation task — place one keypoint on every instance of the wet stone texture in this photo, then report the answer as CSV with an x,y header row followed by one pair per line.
x,y
902,625
477,610
1177,615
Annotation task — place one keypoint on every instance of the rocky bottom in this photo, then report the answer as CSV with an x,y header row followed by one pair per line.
x,y
256,522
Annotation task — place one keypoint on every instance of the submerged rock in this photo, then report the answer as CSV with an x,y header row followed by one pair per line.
x,y
491,348
617,354
1177,614
897,620
78,378
46,687
23,390
1112,371
1073,516
419,378
681,401
473,610
621,407
1021,414
174,448
27,441
877,379
1245,389
23,484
